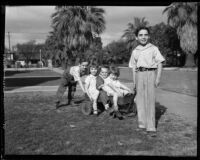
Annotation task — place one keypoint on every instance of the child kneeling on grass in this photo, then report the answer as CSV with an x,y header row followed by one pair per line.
x,y
90,86
103,97
115,88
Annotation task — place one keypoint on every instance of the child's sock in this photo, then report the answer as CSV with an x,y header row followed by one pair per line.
x,y
106,106
95,112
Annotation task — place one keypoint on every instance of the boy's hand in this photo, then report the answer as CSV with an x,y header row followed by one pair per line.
x,y
134,90
134,86
101,86
157,82
87,96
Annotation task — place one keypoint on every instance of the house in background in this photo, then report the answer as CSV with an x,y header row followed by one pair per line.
x,y
8,59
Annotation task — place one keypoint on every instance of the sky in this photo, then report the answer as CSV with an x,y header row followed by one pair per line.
x,y
26,23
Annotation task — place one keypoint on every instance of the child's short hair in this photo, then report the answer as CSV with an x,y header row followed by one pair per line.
x,y
94,65
114,70
104,66
140,28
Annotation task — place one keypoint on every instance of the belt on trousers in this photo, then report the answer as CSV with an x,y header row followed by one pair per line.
x,y
141,69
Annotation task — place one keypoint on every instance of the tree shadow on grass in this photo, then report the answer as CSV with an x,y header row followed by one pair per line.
x,y
15,83
160,110
11,73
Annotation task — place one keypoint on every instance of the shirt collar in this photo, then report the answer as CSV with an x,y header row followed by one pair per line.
x,y
141,48
101,76
92,75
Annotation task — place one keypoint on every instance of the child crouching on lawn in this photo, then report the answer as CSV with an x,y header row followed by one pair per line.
x,y
69,79
90,86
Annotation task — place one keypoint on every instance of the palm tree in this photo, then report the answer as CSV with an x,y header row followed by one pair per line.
x,y
129,33
77,26
54,47
183,17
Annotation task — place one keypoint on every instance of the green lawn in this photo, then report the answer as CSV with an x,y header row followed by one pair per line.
x,y
33,126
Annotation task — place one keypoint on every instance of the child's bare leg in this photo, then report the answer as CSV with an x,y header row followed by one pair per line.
x,y
116,112
95,107
115,99
95,103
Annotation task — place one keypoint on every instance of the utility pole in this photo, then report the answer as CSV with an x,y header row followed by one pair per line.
x,y
40,56
9,40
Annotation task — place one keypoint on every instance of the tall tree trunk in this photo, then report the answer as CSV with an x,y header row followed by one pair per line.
x,y
65,58
63,64
189,60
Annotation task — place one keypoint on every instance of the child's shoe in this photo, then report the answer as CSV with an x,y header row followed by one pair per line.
x,y
95,113
118,115
70,102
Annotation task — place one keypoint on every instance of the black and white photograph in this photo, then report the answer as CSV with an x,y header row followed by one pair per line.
x,y
100,80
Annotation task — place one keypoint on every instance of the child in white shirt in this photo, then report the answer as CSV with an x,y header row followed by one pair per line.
x,y
115,85
115,88
90,87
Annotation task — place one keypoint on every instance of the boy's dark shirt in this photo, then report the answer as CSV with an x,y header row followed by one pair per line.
x,y
99,81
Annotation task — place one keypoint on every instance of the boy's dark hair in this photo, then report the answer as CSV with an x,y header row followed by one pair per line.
x,y
114,70
104,66
140,28
81,60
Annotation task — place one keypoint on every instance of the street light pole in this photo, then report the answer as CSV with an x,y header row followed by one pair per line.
x,y
40,55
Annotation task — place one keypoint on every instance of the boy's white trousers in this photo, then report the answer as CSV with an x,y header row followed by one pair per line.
x,y
145,99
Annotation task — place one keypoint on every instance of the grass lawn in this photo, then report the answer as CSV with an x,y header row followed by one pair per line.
x,y
33,126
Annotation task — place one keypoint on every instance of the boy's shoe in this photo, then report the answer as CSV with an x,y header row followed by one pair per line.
x,y
118,115
57,105
132,114
112,113
152,133
71,103
143,130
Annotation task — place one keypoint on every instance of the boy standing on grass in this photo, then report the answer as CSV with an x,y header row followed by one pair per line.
x,y
69,79
145,60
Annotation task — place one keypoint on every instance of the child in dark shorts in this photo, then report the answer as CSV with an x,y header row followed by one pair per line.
x,y
69,79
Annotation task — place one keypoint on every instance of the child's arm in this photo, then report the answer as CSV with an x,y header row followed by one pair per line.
x,y
86,88
99,83
100,87
81,85
125,87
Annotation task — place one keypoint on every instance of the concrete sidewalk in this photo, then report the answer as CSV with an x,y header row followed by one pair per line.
x,y
179,104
